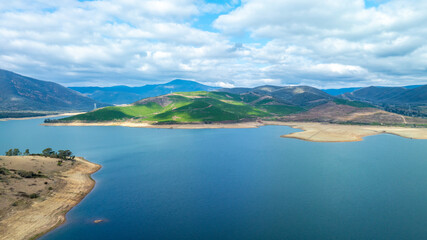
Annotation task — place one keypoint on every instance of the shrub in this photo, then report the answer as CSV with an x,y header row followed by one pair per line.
x,y
34,195
28,174
4,171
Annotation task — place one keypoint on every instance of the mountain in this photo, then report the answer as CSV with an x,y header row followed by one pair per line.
x,y
390,95
300,103
339,91
183,107
126,95
375,94
20,93
411,100
303,96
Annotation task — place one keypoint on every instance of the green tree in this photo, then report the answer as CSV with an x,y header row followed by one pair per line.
x,y
61,154
48,152
64,154
27,152
16,152
67,154
9,153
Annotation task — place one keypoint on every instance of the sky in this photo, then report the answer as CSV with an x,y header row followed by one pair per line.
x,y
234,43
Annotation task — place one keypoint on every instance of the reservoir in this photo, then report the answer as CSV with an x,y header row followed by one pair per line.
x,y
237,183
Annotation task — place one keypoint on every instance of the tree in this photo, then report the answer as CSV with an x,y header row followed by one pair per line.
x,y
64,154
27,152
48,152
9,153
16,152
61,154
67,154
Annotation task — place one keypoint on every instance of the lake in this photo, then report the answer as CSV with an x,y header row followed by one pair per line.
x,y
237,183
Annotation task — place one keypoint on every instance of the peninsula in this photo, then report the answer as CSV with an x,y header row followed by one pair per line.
x,y
37,191
323,117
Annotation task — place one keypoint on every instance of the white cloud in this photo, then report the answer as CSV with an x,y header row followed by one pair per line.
x,y
321,43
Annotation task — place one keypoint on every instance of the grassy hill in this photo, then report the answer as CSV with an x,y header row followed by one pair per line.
x,y
200,106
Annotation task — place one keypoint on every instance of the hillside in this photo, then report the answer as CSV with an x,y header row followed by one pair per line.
x,y
256,105
339,91
19,93
303,96
127,95
390,95
186,107
411,101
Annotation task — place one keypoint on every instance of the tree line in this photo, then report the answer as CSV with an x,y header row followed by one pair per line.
x,y
47,152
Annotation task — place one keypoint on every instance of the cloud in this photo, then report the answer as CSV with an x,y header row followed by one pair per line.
x,y
388,41
321,43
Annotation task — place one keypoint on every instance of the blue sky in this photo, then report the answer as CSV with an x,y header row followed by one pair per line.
x,y
223,43
374,3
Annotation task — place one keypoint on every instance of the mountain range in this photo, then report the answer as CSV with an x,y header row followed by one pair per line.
x,y
24,94
290,103
126,95
410,101
20,93
303,96
390,95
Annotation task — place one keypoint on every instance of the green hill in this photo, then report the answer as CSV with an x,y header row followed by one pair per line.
x,y
187,107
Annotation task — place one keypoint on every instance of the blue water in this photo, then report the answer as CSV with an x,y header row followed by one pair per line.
x,y
237,184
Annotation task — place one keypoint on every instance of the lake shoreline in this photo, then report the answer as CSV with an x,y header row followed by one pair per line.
x,y
311,131
44,116
44,216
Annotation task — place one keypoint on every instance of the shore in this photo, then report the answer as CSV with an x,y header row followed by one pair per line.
x,y
44,116
167,126
312,131
47,213
325,132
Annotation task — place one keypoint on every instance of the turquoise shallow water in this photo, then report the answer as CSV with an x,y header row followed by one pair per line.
x,y
237,183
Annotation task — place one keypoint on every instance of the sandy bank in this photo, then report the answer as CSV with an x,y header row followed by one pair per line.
x,y
45,214
168,126
45,116
312,131
324,132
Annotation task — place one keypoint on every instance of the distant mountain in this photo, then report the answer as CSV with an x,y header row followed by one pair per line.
x,y
339,91
126,95
20,93
410,101
390,95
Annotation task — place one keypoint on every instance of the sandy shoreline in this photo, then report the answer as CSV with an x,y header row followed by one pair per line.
x,y
45,116
43,216
167,126
325,132
312,131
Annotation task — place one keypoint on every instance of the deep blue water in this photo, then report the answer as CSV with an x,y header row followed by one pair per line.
x,y
237,183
